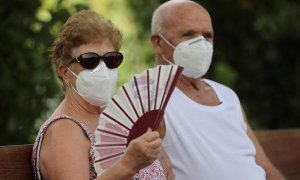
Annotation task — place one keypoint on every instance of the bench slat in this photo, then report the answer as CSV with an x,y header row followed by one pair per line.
x,y
281,146
283,149
15,162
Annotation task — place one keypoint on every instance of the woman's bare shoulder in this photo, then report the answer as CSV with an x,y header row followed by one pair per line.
x,y
64,145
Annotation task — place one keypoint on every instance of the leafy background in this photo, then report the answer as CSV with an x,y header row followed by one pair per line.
x,y
256,53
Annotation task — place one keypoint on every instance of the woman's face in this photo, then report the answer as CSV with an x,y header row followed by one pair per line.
x,y
95,83
100,49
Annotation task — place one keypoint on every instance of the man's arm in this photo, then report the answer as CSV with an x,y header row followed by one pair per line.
x,y
261,158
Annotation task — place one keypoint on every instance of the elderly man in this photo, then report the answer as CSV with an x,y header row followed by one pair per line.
x,y
207,135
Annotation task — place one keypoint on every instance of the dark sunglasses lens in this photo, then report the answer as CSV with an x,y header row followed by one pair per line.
x,y
113,59
89,60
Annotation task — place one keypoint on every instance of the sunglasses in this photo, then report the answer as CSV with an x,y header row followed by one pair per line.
x,y
91,60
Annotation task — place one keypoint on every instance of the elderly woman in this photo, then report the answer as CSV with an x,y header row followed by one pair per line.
x,y
85,57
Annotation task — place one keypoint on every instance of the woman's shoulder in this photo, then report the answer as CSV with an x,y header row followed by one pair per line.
x,y
62,143
63,127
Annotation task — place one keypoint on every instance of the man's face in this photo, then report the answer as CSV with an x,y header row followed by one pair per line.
x,y
187,22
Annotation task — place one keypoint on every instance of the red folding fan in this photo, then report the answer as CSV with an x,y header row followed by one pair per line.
x,y
138,105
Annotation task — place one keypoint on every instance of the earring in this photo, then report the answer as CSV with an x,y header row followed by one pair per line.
x,y
68,84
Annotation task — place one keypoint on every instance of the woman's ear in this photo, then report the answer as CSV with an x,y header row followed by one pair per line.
x,y
62,72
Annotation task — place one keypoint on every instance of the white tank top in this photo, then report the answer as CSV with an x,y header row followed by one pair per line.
x,y
209,142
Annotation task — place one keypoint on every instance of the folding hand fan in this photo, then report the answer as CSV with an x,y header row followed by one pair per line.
x,y
138,105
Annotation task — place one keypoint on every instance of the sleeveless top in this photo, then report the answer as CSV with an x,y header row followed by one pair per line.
x,y
209,142
39,139
153,171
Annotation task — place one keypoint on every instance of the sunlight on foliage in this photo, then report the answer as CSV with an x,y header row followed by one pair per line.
x,y
134,57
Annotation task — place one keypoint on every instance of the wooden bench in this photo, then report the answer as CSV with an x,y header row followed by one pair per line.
x,y
283,149
281,146
15,162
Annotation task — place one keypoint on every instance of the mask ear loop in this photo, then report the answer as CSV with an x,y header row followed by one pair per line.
x,y
166,40
163,56
71,84
72,72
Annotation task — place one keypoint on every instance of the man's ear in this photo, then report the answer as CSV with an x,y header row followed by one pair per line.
x,y
156,42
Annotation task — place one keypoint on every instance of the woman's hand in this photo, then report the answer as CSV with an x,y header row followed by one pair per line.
x,y
142,151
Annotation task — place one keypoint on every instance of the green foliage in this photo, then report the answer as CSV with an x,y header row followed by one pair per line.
x,y
255,53
138,55
27,80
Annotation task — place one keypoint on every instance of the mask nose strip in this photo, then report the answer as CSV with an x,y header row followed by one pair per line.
x,y
100,66
197,40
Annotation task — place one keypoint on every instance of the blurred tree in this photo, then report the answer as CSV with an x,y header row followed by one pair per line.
x,y
258,39
255,53
134,51
27,82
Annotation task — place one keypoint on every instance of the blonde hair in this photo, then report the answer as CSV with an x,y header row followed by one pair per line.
x,y
81,28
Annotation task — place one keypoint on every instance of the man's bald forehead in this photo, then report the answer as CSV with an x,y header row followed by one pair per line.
x,y
168,10
173,5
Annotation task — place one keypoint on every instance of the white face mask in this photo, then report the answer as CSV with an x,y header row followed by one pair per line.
x,y
95,86
193,55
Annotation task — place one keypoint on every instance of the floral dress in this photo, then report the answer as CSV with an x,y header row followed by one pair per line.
x,y
152,172
39,139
